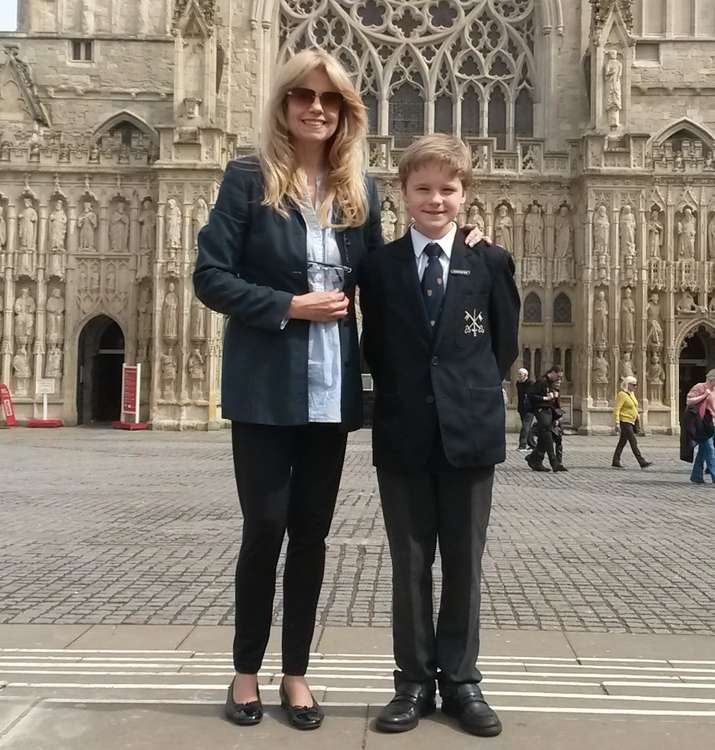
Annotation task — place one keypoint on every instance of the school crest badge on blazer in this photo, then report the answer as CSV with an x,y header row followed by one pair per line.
x,y
474,323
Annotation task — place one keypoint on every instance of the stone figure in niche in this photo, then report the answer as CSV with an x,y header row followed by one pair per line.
x,y
679,162
3,228
600,375
94,154
147,222
711,238
655,234
94,278
25,309
655,375
600,320
119,229
528,163
58,234
614,88
23,373
27,236
55,317
564,247
201,217
709,164
534,232
601,242
53,366
198,320
110,281
168,374
197,374
627,365
687,230
504,228
87,224
628,231
144,323
388,221
654,337
475,218
170,314
628,318
173,227
685,304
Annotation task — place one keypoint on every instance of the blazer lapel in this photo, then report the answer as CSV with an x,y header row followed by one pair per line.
x,y
409,291
459,261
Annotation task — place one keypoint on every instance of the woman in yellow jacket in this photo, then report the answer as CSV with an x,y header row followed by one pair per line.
x,y
626,416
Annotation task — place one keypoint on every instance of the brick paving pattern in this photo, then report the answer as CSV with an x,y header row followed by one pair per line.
x,y
105,527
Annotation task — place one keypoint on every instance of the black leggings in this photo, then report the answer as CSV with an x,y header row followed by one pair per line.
x,y
288,479
628,435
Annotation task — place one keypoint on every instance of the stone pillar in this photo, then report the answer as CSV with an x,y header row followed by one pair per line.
x,y
614,299
587,312
641,301
6,348
42,227
40,328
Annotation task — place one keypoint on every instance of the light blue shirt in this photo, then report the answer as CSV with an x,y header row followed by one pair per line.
x,y
324,355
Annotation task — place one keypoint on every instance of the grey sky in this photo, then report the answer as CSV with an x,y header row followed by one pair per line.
x,y
8,15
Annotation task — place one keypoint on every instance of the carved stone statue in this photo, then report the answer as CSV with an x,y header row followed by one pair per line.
x,y
600,320
87,224
654,337
600,375
147,222
173,227
711,238
27,227
687,230
168,375
201,217
475,218
504,228
169,312
627,365
25,309
53,366
628,231
58,228
601,242
388,221
119,229
144,323
197,374
614,88
655,234
198,320
564,272
628,319
655,376
685,304
55,317
23,373
534,232
3,228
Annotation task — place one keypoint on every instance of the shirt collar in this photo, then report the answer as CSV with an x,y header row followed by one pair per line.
x,y
419,241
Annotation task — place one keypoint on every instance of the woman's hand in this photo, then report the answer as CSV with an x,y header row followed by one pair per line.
x,y
320,307
474,235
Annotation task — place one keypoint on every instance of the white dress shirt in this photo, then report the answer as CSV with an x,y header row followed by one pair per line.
x,y
419,242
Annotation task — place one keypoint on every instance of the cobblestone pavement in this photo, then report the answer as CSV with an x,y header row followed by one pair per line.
x,y
104,527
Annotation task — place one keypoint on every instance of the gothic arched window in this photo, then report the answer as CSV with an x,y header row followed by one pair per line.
x,y
532,308
562,309
479,52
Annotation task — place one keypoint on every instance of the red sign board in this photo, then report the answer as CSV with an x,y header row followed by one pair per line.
x,y
129,391
6,407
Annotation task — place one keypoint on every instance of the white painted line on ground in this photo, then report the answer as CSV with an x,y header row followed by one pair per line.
x,y
678,685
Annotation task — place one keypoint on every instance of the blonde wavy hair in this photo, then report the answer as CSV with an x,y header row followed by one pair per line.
x,y
345,180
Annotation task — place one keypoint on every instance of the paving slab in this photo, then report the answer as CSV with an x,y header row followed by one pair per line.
x,y
634,646
374,641
133,637
553,732
67,726
11,709
525,643
40,636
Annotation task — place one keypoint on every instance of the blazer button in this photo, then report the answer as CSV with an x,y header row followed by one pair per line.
x,y
435,361
430,399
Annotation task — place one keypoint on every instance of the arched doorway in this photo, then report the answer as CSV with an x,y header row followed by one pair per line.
x,y
696,358
100,356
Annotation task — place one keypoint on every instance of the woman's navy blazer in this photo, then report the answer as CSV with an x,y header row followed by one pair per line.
x,y
251,262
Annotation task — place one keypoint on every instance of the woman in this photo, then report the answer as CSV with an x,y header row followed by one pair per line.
x,y
279,257
625,415
698,426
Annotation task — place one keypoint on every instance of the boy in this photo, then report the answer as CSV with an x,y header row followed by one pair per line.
x,y
440,333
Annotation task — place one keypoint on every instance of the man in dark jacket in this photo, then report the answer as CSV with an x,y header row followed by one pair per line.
x,y
545,406
523,388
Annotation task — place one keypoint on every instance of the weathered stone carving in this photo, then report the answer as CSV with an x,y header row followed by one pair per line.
x,y
388,221
119,228
655,376
201,217
628,319
601,243
197,374
614,88
563,256
170,314
711,238
23,372
504,228
143,324
147,222
55,317
655,234
600,376
685,304
58,235
3,228
475,218
87,225
686,234
198,320
173,228
25,309
27,238
654,337
168,374
53,366
627,236
600,320
627,370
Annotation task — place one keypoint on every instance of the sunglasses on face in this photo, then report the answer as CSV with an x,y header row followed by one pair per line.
x,y
305,98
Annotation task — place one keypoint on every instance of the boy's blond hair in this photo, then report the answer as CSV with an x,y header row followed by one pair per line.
x,y
439,148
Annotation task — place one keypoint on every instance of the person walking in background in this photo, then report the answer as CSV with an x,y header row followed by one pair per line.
x,y
544,400
625,415
699,424
523,407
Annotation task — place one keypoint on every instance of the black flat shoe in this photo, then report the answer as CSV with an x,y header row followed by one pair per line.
x,y
301,717
243,714
646,464
617,465
560,467
466,703
412,701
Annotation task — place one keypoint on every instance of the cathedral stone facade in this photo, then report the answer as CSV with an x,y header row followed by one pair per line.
x,y
591,125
